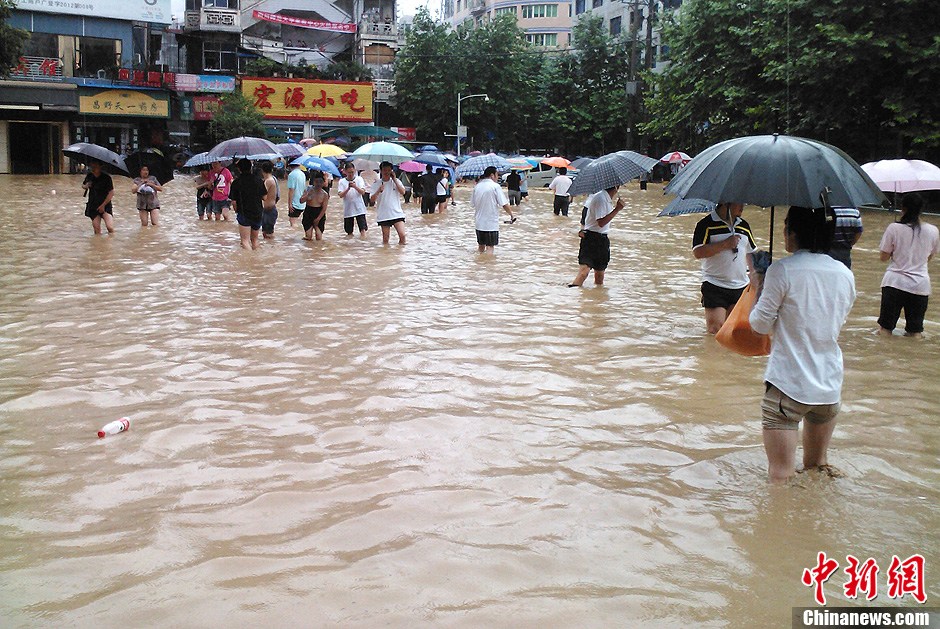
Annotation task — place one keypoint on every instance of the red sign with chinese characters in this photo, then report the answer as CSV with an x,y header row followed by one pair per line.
x,y
147,79
300,99
409,134
204,107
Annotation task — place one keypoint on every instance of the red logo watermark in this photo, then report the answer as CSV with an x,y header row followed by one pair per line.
x,y
903,577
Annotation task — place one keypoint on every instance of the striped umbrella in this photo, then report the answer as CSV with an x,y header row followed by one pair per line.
x,y
520,164
678,207
245,146
475,166
204,159
613,169
290,150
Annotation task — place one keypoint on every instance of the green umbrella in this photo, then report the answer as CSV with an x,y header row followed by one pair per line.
x,y
361,131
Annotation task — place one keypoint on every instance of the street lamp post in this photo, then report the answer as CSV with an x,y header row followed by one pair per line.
x,y
459,100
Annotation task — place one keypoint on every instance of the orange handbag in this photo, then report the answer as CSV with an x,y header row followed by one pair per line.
x,y
736,333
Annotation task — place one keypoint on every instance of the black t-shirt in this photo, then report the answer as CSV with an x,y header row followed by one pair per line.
x,y
513,181
428,183
98,192
248,192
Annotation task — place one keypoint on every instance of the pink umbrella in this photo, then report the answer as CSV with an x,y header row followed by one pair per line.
x,y
676,157
412,166
475,153
903,175
308,142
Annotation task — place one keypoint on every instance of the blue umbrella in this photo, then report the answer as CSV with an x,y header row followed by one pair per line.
x,y
312,162
613,169
430,148
475,166
431,158
678,207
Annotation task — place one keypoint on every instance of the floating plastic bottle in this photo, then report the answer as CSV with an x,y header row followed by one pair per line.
x,y
113,428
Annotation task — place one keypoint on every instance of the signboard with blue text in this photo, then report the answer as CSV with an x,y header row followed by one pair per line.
x,y
138,10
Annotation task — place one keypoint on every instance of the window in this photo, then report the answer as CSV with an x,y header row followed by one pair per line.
x,y
615,26
542,40
506,11
93,54
220,4
578,7
219,57
598,3
539,10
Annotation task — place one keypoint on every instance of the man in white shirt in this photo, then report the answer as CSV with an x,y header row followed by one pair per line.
x,y
559,186
804,302
350,189
594,251
387,192
724,243
487,199
296,184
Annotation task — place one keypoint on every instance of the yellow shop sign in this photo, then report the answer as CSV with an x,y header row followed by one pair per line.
x,y
124,103
342,101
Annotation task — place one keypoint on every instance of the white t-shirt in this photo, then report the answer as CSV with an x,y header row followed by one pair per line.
x,y
909,249
388,206
560,185
487,200
296,183
804,304
353,204
599,205
442,187
726,268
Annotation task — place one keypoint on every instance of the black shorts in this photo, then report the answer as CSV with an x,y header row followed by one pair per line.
x,y
359,220
442,198
487,239
718,297
391,222
253,221
92,213
594,251
310,213
893,300
292,213
561,204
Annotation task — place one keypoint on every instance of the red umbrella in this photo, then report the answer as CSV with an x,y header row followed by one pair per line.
x,y
556,162
676,157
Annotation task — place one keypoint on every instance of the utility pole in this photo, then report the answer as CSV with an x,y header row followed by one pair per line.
x,y
632,86
648,64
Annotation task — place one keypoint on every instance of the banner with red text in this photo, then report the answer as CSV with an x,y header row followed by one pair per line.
x,y
299,22
301,99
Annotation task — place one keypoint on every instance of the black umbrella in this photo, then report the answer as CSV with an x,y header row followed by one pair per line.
x,y
84,152
159,166
771,170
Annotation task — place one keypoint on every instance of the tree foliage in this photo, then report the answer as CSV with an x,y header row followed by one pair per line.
x,y
855,74
236,117
12,39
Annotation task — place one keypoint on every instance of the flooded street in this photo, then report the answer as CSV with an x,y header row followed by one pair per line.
x,y
341,434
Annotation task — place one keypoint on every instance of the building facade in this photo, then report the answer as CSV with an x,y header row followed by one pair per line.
x,y
545,24
630,19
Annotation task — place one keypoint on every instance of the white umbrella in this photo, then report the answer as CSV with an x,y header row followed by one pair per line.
x,y
676,157
383,152
903,175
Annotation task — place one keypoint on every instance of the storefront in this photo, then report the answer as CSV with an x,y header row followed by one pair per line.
x,y
122,120
34,122
199,96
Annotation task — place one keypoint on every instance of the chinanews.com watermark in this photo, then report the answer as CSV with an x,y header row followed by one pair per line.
x,y
903,579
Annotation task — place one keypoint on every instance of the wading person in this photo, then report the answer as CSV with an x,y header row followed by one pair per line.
x,y
848,231
803,305
247,194
428,186
350,189
100,190
723,242
221,186
909,244
513,181
487,200
386,193
315,198
444,189
203,183
296,184
594,250
146,187
269,202
559,186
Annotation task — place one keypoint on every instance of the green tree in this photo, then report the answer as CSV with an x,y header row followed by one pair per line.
x,y
858,76
236,117
12,39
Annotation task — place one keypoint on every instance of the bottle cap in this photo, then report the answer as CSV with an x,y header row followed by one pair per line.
x,y
101,434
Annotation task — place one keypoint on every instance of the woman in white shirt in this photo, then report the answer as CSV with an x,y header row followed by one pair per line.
x,y
909,244
803,304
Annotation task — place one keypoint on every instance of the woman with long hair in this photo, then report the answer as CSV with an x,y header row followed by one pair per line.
x,y
909,244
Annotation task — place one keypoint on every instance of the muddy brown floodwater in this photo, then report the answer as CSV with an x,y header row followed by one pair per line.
x,y
342,434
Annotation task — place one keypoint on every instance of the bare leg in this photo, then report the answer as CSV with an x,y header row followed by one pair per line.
x,y
317,233
154,217
481,248
244,234
780,446
96,224
254,239
226,214
714,318
582,275
144,218
400,228
386,232
308,234
599,278
816,438
108,223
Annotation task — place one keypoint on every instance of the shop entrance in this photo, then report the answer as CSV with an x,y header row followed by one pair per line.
x,y
35,148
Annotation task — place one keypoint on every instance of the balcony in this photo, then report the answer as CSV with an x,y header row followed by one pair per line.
x,y
214,20
384,90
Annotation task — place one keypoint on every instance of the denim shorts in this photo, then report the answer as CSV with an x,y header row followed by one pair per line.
x,y
268,219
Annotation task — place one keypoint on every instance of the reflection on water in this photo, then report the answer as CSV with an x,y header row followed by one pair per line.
x,y
346,434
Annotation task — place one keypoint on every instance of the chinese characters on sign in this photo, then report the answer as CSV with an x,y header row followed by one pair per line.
x,y
310,100
47,68
124,103
903,577
340,27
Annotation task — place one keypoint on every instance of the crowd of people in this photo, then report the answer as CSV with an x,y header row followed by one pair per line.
x,y
803,299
